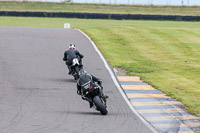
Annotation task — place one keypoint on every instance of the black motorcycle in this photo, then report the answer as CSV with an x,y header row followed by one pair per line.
x,y
95,95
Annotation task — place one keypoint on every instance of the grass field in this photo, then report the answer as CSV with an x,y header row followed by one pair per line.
x,y
164,54
121,9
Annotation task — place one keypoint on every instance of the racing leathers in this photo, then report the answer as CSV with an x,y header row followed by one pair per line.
x,y
69,55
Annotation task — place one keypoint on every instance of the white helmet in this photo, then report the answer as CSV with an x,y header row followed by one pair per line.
x,y
72,46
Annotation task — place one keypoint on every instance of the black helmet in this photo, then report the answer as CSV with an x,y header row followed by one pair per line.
x,y
84,78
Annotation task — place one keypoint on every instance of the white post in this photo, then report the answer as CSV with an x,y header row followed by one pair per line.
x,y
67,25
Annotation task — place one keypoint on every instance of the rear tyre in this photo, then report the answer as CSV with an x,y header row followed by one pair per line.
x,y
77,72
98,103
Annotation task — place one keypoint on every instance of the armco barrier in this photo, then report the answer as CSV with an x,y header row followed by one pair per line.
x,y
100,16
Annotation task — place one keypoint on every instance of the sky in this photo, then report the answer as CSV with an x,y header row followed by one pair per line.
x,y
143,2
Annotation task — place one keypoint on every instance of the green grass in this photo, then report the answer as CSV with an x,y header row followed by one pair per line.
x,y
164,54
121,9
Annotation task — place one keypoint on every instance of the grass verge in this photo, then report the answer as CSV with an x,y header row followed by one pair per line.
x,y
164,54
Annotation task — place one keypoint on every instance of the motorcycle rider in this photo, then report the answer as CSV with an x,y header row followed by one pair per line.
x,y
70,54
85,78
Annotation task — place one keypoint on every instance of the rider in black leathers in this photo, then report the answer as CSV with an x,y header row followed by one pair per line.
x,y
70,54
85,78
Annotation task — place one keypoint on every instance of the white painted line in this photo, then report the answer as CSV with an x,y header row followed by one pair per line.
x,y
117,84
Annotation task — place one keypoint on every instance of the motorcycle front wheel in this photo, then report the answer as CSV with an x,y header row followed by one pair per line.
x,y
100,106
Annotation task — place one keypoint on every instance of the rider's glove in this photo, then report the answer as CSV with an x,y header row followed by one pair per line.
x,y
99,82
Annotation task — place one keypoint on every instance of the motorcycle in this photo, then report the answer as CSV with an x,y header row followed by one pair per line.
x,y
76,66
95,95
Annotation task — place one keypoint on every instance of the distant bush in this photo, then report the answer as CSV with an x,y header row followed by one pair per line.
x,y
100,16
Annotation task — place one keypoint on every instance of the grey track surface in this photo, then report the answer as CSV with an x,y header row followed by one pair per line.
x,y
37,95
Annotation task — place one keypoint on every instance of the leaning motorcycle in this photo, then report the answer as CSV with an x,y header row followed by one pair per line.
x,y
76,66
95,95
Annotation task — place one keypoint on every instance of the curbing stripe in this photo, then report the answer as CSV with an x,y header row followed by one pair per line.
x,y
175,125
186,132
132,83
162,118
191,121
176,129
156,103
159,106
164,113
144,91
138,87
161,110
194,123
131,78
166,122
146,95
150,99
186,117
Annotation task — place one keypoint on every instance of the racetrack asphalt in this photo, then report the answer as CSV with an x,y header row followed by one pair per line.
x,y
38,96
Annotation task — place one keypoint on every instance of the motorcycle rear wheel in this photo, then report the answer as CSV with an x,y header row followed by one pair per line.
x,y
77,72
100,106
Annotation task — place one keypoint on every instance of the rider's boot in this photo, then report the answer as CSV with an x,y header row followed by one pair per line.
x,y
70,70
91,104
